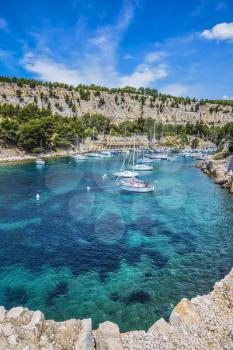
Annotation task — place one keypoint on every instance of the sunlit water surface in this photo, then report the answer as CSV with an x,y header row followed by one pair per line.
x,y
127,258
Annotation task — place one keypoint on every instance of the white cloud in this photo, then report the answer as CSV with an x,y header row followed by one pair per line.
x,y
143,75
222,31
175,89
156,56
128,56
227,97
96,61
3,23
47,69
4,53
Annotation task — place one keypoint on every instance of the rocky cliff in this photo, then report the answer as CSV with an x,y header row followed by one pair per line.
x,y
204,322
221,170
117,106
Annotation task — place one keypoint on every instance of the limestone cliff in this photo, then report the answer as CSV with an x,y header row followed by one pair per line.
x,y
117,106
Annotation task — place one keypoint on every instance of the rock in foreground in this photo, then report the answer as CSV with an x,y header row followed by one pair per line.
x,y
205,322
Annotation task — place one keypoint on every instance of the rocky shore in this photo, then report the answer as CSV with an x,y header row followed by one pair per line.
x,y
14,155
221,170
202,323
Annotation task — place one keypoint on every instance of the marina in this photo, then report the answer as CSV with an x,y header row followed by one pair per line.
x,y
84,247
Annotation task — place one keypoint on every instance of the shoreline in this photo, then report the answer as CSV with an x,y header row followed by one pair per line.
x,y
204,322
219,170
25,157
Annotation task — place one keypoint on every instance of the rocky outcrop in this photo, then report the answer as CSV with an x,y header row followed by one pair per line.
x,y
221,170
117,106
204,322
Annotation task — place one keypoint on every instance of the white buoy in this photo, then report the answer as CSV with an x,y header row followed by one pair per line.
x,y
37,196
88,188
103,177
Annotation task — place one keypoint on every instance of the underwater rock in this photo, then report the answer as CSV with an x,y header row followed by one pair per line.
x,y
137,297
61,289
148,275
115,297
15,296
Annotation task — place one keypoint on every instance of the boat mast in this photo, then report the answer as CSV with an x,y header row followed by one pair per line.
x,y
133,152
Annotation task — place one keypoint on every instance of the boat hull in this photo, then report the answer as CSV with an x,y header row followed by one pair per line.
x,y
127,174
143,168
40,162
127,188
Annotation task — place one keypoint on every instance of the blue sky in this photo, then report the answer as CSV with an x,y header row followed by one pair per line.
x,y
177,46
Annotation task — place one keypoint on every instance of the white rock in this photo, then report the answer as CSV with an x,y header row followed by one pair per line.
x,y
12,339
161,326
7,329
15,312
108,337
2,313
37,318
85,339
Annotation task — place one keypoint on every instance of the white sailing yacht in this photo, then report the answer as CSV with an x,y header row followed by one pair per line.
x,y
125,173
135,185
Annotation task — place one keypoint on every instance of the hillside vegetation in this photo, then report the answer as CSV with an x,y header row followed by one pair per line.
x,y
36,115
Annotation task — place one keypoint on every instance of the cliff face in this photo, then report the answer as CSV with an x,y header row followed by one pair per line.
x,y
116,106
205,322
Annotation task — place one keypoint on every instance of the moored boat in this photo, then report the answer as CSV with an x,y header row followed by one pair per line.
x,y
145,161
40,162
105,153
126,173
143,167
79,157
135,185
94,155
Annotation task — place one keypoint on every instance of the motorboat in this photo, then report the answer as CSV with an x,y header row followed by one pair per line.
x,y
135,185
105,153
94,155
79,157
143,167
40,162
157,156
126,173
145,161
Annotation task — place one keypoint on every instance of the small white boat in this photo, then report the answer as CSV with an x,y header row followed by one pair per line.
x,y
105,153
157,156
145,161
143,167
126,173
94,155
79,157
40,162
135,185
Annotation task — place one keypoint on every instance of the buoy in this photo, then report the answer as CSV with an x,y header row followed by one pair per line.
x,y
37,196
103,177
88,188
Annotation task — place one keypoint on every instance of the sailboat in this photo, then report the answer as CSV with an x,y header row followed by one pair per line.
x,y
135,185
40,161
125,173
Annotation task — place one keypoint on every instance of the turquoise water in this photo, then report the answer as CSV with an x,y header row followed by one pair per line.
x,y
127,258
